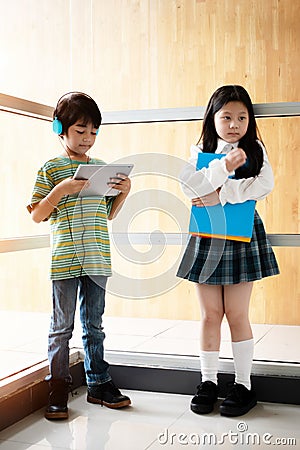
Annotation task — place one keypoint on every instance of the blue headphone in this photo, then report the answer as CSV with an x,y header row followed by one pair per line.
x,y
57,126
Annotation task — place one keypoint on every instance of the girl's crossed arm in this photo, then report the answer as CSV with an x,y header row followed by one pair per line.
x,y
253,188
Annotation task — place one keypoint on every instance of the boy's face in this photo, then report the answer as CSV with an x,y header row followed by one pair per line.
x,y
80,138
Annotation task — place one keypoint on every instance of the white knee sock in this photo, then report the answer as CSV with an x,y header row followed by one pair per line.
x,y
242,358
209,365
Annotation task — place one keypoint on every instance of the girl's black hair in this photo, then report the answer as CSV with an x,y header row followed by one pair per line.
x,y
75,106
209,137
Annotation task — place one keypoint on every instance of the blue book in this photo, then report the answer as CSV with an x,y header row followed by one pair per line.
x,y
231,221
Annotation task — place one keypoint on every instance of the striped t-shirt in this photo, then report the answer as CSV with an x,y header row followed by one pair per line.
x,y
79,234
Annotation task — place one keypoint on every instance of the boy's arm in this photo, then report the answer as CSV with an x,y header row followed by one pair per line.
x,y
42,210
124,188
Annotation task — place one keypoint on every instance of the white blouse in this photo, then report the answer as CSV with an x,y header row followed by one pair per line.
x,y
202,182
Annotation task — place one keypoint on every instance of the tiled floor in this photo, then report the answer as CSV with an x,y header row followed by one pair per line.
x,y
23,339
154,421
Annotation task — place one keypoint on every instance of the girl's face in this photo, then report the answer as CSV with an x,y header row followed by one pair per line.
x,y
79,138
231,122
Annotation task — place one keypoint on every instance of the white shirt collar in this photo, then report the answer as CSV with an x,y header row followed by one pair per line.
x,y
224,147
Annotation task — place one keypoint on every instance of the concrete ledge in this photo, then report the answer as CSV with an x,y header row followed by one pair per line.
x,y
27,392
271,389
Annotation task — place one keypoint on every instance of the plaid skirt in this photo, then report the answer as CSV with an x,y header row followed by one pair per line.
x,y
220,261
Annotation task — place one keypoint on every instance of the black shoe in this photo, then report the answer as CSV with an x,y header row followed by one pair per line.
x,y
57,408
107,394
238,402
206,397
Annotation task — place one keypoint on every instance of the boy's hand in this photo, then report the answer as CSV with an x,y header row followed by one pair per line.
x,y
235,159
122,183
70,186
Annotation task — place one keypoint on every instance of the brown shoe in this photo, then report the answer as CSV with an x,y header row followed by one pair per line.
x,y
107,394
57,408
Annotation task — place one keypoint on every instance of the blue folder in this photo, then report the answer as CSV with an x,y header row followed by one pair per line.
x,y
231,221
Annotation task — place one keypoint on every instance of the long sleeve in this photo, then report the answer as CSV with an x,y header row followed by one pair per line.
x,y
253,188
196,183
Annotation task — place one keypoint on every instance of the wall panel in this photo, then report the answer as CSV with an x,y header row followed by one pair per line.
x,y
166,53
139,54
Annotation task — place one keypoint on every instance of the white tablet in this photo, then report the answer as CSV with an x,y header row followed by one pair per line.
x,y
99,177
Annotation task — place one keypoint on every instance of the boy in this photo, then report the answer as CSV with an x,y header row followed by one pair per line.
x,y
80,253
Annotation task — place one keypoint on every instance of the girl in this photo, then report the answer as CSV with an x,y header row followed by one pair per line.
x,y
80,253
245,173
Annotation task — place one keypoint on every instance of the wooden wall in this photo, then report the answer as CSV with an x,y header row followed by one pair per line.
x,y
140,54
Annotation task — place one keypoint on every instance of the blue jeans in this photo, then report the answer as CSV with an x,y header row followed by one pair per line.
x,y
91,295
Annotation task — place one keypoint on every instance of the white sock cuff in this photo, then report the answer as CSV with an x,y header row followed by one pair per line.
x,y
209,365
242,357
210,354
248,342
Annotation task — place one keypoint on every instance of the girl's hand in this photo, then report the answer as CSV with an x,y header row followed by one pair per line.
x,y
235,159
211,199
122,183
70,186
